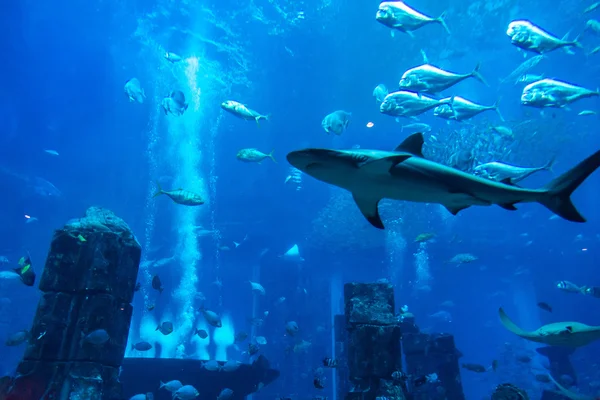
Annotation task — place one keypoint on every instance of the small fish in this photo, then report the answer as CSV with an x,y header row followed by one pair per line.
x,y
133,90
211,317
416,127
157,284
150,307
318,383
17,338
240,337
424,237
254,155
257,288
172,57
587,112
253,349
242,111
166,328
291,327
97,337
181,196
141,346
594,51
225,394
523,358
330,362
231,366
52,152
212,365
81,238
474,367
380,92
137,287
337,121
399,376
261,340
544,306
202,334
397,15
592,7
174,104
187,392
25,271
569,287
529,78
171,386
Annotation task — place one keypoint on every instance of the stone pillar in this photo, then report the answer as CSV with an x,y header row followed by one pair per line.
x,y
88,284
374,352
426,354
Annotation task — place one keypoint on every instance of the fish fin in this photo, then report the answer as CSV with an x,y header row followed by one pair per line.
x,y
455,209
511,326
369,208
383,165
159,190
497,109
412,35
508,206
270,155
550,164
442,20
424,55
412,144
257,119
557,193
477,75
507,181
392,33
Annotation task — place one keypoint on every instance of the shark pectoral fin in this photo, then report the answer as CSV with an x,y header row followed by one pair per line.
x,y
369,208
509,206
455,209
412,144
383,165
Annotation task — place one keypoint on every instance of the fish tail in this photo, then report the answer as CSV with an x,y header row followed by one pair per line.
x,y
550,164
477,75
497,109
442,20
270,155
557,193
159,190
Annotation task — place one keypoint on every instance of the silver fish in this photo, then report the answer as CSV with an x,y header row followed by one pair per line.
x,y
463,109
408,104
498,171
528,36
336,122
242,111
553,93
397,15
427,78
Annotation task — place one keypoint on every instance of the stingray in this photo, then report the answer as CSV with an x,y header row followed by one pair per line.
x,y
569,334
569,394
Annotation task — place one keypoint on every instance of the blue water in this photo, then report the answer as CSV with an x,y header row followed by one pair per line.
x,y
63,71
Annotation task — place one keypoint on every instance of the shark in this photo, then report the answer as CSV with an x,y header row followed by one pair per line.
x,y
405,174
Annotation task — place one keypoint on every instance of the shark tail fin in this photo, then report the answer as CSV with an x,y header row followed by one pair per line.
x,y
270,155
477,75
442,20
497,109
159,190
557,193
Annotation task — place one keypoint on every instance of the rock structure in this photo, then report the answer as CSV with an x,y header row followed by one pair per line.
x,y
88,284
373,341
427,354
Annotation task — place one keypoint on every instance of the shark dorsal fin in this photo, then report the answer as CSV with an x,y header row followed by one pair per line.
x,y
412,144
